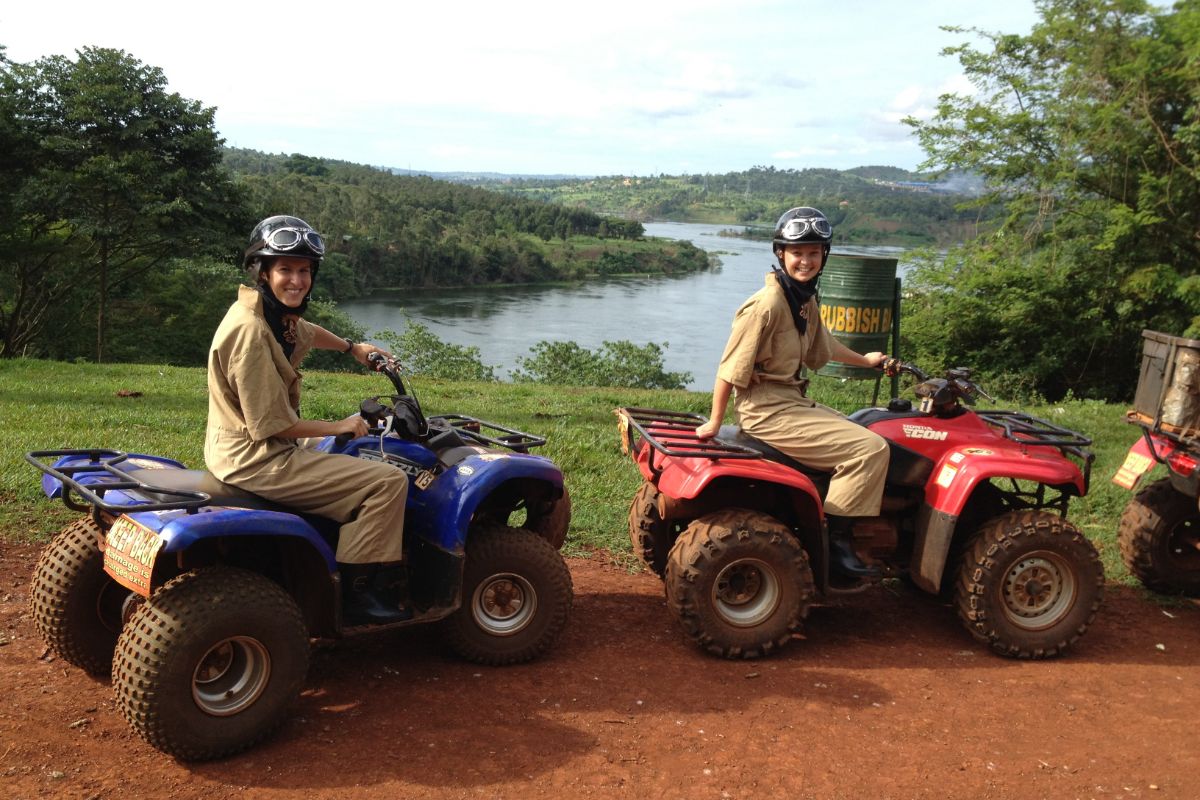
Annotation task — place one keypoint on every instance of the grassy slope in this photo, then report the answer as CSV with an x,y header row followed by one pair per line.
x,y
50,405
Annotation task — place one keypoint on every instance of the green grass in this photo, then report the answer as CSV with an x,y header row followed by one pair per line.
x,y
50,405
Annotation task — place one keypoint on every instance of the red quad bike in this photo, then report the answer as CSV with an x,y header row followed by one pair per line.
x,y
975,507
1159,532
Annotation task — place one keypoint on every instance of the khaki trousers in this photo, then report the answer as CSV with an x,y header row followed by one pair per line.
x,y
367,497
821,438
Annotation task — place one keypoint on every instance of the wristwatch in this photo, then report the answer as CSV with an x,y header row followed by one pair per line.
x,y
349,345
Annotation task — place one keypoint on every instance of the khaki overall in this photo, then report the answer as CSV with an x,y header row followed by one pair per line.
x,y
762,361
253,394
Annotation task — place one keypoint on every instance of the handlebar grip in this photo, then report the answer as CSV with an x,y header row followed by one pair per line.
x,y
342,439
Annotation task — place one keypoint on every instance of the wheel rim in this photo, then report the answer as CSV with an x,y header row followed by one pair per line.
x,y
1183,546
746,592
504,604
231,676
111,604
1038,590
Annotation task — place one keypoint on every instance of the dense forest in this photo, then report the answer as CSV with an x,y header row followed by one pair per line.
x,y
402,231
868,205
122,219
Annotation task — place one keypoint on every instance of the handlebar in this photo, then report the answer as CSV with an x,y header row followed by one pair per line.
x,y
940,392
377,413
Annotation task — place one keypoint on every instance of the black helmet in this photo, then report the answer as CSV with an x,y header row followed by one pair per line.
x,y
802,225
283,235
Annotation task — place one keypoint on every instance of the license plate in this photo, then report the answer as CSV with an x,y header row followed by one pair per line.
x,y
1136,465
129,553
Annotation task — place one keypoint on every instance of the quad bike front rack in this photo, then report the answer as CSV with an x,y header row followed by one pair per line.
x,y
1029,430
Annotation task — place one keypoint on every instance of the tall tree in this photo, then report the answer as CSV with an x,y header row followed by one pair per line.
x,y
118,175
1088,131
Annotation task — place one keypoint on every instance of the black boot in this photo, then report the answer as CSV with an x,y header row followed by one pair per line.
x,y
842,558
364,603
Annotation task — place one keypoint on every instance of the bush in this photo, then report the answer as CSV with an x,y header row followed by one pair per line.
x,y
620,363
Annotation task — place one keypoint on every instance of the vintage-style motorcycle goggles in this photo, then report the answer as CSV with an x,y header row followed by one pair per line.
x,y
285,239
796,227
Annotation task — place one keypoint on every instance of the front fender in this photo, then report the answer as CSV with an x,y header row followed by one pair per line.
x,y
960,470
955,477
441,514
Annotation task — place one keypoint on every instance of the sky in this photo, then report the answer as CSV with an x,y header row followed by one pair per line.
x,y
540,88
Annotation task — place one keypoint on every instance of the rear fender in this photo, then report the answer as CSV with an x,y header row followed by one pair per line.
x,y
689,487
441,514
181,531
686,479
281,546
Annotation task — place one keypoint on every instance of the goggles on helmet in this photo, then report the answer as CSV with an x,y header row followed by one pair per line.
x,y
285,239
797,227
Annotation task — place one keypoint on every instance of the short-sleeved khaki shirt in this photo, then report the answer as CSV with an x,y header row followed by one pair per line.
x,y
253,389
765,345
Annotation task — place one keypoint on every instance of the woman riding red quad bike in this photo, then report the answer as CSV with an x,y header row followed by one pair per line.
x,y
975,508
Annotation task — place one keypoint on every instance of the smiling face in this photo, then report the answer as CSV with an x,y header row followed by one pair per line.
x,y
803,261
290,279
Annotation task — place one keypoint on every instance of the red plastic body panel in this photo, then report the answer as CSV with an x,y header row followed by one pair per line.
x,y
966,450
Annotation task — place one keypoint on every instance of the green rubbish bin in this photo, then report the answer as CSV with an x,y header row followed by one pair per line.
x,y
858,304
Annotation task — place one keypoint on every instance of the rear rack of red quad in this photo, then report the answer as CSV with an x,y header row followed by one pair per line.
x,y
673,434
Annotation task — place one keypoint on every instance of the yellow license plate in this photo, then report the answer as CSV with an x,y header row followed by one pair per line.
x,y
1136,465
129,553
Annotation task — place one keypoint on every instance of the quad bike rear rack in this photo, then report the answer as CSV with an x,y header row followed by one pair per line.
x,y
107,462
673,433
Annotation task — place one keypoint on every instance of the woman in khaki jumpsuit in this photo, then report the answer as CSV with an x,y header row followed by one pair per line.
x,y
255,433
771,341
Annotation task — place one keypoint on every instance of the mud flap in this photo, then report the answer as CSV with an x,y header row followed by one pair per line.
x,y
935,530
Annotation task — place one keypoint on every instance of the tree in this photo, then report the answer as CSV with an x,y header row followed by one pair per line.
x,y
1087,130
117,176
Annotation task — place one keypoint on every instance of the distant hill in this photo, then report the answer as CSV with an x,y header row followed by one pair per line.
x,y
388,230
868,205
483,177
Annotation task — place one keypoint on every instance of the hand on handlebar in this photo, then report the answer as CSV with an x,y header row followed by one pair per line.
x,y
349,428
354,425
875,360
370,356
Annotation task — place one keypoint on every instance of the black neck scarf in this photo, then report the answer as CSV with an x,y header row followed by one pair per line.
x,y
281,319
798,293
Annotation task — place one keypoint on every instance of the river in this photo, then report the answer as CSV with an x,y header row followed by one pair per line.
x,y
689,314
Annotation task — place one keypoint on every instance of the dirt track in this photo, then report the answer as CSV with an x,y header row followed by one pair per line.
x,y
887,698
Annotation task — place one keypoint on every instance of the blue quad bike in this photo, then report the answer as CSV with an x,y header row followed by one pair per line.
x,y
201,600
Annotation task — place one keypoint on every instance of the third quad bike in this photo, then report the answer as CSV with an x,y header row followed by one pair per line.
x,y
201,598
1159,532
975,508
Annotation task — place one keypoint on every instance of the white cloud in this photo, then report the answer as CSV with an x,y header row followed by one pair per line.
x,y
668,86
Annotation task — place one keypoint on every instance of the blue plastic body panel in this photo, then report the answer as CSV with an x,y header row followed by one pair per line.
x,y
440,514
180,530
53,487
